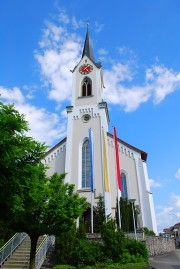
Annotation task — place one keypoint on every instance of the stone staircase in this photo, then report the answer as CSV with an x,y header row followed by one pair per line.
x,y
50,260
20,256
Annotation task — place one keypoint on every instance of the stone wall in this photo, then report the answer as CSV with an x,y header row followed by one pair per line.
x,y
156,245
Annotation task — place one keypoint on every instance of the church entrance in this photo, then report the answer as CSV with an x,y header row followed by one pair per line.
x,y
87,220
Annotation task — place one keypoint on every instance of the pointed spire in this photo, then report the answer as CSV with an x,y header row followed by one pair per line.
x,y
87,46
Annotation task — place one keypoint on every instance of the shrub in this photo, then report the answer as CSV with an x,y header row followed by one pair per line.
x,y
1,243
99,214
64,266
87,253
148,232
136,248
65,244
74,249
113,241
127,258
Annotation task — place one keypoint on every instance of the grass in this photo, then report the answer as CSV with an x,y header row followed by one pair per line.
x,y
143,265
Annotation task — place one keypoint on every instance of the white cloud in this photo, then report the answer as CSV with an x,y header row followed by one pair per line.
x,y
98,27
102,51
59,53
158,83
13,95
76,24
154,183
127,54
63,17
64,113
177,174
51,36
175,200
118,94
44,125
163,219
168,215
163,82
60,50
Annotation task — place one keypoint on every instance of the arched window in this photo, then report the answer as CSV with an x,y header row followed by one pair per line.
x,y
86,87
86,165
124,186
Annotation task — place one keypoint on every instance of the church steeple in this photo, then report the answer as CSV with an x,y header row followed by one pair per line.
x,y
87,50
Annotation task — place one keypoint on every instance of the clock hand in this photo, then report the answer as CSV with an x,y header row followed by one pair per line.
x,y
86,68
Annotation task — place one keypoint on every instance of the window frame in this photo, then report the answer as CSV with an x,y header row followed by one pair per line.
x,y
124,185
86,165
86,87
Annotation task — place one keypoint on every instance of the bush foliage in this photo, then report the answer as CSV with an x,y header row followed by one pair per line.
x,y
148,232
74,249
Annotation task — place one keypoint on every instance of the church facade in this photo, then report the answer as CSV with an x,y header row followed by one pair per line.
x,y
71,155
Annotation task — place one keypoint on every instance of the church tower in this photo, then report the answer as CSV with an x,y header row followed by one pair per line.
x,y
87,111
72,154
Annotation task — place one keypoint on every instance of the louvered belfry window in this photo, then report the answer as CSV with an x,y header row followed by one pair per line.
x,y
86,87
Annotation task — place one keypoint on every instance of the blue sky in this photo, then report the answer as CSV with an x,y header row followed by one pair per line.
x,y
138,45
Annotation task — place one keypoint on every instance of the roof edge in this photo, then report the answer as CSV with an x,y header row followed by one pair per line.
x,y
87,50
55,146
143,153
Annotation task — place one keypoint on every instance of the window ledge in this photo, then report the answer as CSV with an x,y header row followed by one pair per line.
x,y
84,190
88,96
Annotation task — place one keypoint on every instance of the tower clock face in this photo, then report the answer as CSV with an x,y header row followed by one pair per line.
x,y
85,69
86,117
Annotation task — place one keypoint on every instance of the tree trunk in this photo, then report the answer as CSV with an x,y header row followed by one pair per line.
x,y
34,239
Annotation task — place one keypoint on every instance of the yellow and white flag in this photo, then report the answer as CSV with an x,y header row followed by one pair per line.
x,y
107,197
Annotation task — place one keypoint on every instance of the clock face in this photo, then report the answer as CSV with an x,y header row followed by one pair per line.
x,y
85,69
86,117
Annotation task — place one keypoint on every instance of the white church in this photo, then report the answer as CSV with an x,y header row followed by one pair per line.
x,y
71,155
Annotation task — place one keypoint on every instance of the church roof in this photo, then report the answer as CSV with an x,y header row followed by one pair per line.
x,y
56,146
87,50
143,153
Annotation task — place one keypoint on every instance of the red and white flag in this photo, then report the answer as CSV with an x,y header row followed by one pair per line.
x,y
118,173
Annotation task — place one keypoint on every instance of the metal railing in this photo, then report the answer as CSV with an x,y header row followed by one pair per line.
x,y
10,246
42,251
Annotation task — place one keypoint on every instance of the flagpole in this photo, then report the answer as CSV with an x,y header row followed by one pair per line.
x,y
119,216
106,181
92,175
102,158
92,224
118,183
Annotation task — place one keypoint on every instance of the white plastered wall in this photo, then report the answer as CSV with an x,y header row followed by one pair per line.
x,y
55,160
97,87
80,128
127,165
146,198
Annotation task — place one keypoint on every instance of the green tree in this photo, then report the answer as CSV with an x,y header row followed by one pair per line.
x,y
113,241
149,232
126,214
49,207
99,214
19,156
30,201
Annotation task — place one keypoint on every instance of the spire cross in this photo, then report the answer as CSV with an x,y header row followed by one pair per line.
x,y
87,50
87,23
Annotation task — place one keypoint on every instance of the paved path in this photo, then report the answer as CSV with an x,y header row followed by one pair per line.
x,y
166,261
